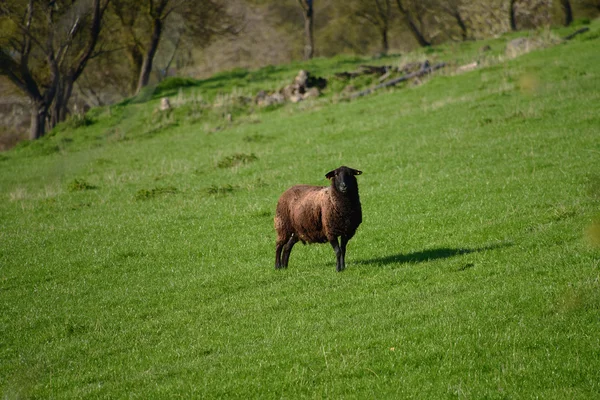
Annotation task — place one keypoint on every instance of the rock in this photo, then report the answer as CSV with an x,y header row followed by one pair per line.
x,y
349,89
303,86
165,104
277,98
288,91
296,98
312,92
301,78
520,46
260,96
264,100
467,67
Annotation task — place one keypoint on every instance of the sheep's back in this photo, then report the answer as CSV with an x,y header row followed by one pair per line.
x,y
299,211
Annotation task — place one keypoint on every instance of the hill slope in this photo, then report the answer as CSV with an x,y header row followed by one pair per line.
x,y
137,252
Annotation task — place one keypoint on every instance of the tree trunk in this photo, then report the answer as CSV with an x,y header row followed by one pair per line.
x,y
461,25
309,44
417,33
136,59
157,26
566,6
384,41
39,112
59,109
413,26
513,20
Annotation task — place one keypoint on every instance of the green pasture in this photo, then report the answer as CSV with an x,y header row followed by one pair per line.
x,y
137,247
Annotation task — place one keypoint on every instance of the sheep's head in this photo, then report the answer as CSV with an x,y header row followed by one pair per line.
x,y
343,179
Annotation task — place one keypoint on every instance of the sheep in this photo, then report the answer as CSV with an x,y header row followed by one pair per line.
x,y
319,214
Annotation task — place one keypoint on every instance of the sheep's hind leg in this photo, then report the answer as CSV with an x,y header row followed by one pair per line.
x,y
287,249
278,248
338,254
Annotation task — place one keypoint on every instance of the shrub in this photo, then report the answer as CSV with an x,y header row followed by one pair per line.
x,y
145,194
236,159
79,185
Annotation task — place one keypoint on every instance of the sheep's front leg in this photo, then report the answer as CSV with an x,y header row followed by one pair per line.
x,y
338,254
343,242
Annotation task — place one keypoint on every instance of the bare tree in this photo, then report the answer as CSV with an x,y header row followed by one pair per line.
x,y
377,13
590,5
413,13
309,40
512,15
158,11
129,17
46,51
566,6
528,14
143,24
452,8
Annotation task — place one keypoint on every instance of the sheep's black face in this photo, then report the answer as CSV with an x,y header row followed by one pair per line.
x,y
344,179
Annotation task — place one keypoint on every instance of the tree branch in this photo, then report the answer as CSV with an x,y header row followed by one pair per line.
x,y
91,44
425,69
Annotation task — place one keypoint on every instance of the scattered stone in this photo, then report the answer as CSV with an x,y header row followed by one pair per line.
x,y
301,78
303,87
349,89
468,67
296,98
164,104
312,92
264,99
519,46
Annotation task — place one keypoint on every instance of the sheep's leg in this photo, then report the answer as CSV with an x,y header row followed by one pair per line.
x,y
338,254
287,249
343,242
278,248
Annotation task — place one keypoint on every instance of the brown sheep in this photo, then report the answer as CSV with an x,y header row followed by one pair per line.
x,y
319,214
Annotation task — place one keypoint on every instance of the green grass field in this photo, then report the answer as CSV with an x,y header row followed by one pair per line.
x,y
137,250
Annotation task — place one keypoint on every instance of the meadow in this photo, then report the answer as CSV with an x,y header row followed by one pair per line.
x,y
137,247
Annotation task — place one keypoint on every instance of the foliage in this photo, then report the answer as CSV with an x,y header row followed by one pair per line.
x,y
141,27
145,194
223,189
172,84
45,50
79,184
471,276
78,120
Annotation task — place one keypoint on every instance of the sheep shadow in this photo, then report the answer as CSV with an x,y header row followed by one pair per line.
x,y
428,255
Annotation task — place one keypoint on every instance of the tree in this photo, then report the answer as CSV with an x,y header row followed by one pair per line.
x,y
142,25
453,9
128,15
512,15
45,48
566,6
529,14
309,41
413,13
377,13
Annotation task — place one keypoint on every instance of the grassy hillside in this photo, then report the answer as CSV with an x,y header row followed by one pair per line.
x,y
137,248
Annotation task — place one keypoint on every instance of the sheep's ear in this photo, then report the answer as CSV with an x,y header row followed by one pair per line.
x,y
356,172
330,174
